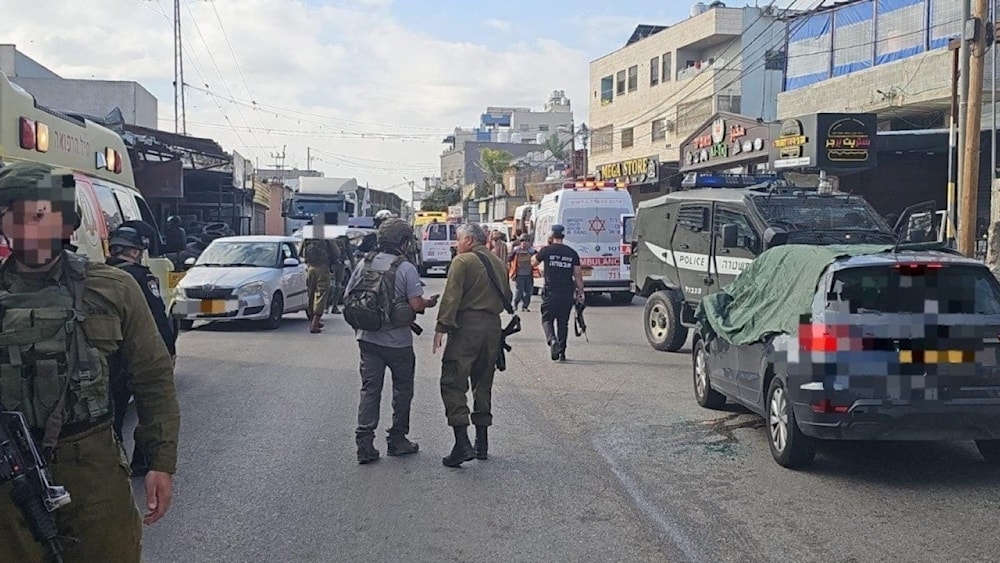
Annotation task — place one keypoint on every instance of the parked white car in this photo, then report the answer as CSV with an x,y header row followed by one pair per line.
x,y
257,278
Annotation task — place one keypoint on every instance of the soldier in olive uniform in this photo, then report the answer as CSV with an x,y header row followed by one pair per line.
x,y
320,254
93,310
469,314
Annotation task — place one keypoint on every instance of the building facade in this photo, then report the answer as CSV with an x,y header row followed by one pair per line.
x,y
90,97
658,89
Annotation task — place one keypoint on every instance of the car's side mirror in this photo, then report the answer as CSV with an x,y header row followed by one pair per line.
x,y
729,236
189,262
291,262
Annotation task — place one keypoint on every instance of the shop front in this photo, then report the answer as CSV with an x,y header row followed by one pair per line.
x,y
727,143
646,177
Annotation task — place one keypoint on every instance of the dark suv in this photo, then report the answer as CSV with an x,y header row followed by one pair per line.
x,y
691,243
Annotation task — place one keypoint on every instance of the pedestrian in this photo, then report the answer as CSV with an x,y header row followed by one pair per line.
x,y
470,317
499,246
522,272
68,316
338,273
126,246
320,255
392,345
563,288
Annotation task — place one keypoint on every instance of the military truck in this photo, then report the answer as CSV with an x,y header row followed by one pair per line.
x,y
695,241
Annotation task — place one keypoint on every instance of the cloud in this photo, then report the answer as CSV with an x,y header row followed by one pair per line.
x,y
320,75
499,25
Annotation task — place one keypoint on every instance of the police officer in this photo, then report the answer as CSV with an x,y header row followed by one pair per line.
x,y
320,255
470,315
563,287
127,245
95,310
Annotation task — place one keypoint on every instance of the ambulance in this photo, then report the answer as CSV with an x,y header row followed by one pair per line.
x,y
592,213
106,192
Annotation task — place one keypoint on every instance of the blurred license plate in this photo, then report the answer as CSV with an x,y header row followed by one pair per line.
x,y
211,306
173,278
587,272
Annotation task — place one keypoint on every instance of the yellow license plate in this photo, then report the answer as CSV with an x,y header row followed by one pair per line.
x,y
212,306
173,278
587,272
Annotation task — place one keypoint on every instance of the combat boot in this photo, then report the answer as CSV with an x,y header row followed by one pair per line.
x,y
367,452
401,446
462,451
482,444
315,326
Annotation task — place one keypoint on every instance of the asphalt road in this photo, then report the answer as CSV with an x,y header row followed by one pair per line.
x,y
604,458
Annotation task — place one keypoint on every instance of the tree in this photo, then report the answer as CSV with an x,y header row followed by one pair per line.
x,y
493,163
440,198
557,147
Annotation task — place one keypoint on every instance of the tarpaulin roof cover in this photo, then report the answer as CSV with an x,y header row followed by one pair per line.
x,y
775,290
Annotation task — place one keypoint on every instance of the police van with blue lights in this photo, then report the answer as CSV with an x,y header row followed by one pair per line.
x,y
692,242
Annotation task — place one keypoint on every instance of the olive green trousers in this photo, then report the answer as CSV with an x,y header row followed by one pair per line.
x,y
470,356
318,286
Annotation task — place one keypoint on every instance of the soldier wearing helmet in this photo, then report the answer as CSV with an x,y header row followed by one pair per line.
x,y
371,239
127,245
68,316
392,346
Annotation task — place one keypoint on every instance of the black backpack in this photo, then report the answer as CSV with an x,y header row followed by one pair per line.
x,y
369,304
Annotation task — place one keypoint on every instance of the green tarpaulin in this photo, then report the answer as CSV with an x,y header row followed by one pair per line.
x,y
773,292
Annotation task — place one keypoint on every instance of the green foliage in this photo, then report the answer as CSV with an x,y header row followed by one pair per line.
x,y
440,198
493,163
557,147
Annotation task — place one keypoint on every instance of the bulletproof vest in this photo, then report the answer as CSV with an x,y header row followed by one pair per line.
x,y
48,371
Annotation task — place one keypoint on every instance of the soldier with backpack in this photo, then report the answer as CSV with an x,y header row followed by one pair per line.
x,y
382,299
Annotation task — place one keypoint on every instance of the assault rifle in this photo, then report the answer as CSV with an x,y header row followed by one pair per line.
x,y
32,490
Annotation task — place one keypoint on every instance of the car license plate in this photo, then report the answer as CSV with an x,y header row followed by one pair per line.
x,y
587,272
213,306
173,278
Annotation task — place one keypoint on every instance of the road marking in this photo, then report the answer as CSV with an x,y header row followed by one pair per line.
x,y
667,526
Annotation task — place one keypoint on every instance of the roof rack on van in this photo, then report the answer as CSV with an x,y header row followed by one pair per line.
x,y
594,184
700,180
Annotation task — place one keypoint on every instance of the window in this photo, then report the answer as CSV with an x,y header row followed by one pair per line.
x,y
951,289
654,71
601,139
665,75
692,217
730,103
437,231
109,206
288,251
627,138
633,78
658,130
543,128
692,115
607,90
774,60
745,234
525,127
621,82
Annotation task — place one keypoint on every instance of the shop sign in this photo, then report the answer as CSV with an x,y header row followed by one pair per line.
x,y
634,171
790,145
726,142
848,141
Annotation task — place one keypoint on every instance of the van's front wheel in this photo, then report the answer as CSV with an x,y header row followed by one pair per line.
x,y
662,318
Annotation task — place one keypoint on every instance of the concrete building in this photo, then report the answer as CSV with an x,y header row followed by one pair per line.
x,y
517,130
90,97
666,81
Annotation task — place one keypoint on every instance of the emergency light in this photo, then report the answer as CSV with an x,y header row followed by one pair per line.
x,y
697,180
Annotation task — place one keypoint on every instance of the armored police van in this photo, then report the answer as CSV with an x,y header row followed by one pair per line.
x,y
693,242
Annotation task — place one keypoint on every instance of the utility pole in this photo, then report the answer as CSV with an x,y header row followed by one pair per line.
x,y
951,221
963,102
973,134
279,162
180,111
309,159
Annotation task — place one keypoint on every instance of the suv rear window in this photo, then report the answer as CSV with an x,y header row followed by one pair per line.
x,y
820,213
440,232
941,289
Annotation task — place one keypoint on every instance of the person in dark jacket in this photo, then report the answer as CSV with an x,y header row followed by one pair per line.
x,y
127,246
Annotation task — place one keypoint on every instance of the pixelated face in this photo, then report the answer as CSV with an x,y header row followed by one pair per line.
x,y
36,230
464,243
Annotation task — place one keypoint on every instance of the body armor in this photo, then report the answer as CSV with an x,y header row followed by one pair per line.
x,y
48,371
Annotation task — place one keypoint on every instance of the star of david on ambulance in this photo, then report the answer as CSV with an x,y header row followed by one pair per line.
x,y
597,225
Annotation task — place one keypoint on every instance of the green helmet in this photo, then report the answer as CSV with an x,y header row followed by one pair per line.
x,y
33,181
394,232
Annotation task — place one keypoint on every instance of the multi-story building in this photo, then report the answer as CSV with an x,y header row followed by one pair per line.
x,y
517,130
84,96
667,81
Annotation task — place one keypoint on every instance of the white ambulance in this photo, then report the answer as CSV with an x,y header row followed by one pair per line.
x,y
591,212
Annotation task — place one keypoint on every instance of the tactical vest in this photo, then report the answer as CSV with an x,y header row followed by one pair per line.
x,y
48,371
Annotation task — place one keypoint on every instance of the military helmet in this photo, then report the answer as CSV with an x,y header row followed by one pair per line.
x,y
129,238
383,215
394,231
33,181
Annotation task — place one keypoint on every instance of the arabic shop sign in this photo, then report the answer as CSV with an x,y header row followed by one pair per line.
x,y
725,141
635,171
825,141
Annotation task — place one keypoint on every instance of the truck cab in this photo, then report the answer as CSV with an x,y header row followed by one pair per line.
x,y
329,201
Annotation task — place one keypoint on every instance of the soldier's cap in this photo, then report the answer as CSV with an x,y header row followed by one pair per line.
x,y
34,181
394,231
558,231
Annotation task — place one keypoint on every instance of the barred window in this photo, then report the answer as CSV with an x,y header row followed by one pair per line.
x,y
693,114
658,130
654,71
627,138
621,82
633,78
602,139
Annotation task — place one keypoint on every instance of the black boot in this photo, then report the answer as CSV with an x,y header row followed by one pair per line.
x,y
399,445
462,451
366,451
482,443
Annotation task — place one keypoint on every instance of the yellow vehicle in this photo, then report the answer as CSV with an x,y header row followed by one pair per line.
x,y
106,191
425,217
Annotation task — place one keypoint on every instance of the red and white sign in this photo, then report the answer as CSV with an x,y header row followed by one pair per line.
x,y
599,261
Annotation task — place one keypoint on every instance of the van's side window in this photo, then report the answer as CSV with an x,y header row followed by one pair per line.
x,y
126,202
109,206
692,217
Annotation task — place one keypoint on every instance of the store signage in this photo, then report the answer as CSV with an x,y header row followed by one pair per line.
x,y
826,141
725,140
634,171
849,141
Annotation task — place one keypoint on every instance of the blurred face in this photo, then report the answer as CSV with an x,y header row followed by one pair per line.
x,y
36,232
524,244
465,243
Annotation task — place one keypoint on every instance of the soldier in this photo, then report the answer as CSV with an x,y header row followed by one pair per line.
x,y
126,246
102,311
320,254
392,346
370,241
470,315
563,286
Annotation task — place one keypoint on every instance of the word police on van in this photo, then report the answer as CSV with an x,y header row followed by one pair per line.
x,y
693,242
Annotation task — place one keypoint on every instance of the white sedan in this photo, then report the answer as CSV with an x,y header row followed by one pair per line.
x,y
258,278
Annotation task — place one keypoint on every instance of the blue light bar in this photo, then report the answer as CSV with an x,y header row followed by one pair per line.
x,y
698,180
